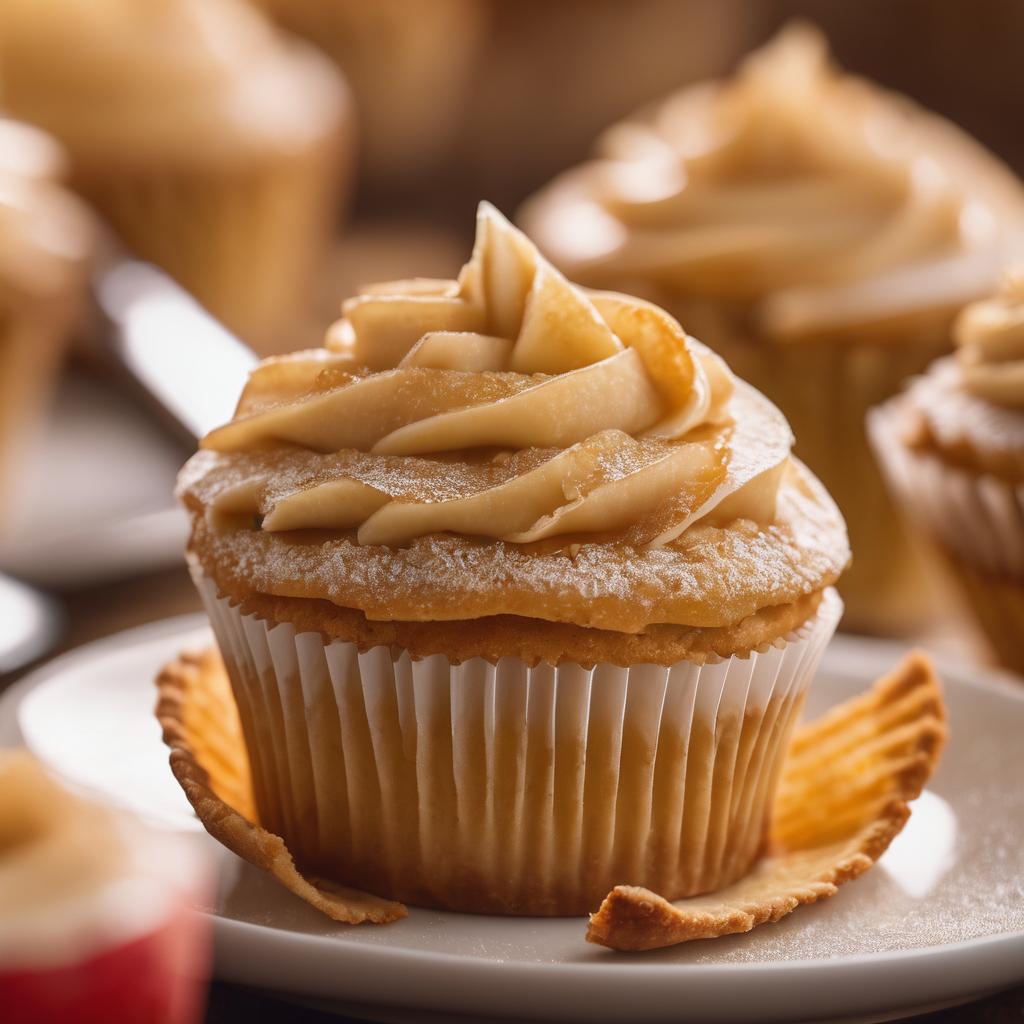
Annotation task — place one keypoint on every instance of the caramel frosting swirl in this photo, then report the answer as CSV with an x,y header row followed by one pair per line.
x,y
811,196
206,79
990,345
509,443
508,404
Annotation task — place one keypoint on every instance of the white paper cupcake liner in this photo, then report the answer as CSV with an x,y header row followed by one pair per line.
x,y
976,516
508,789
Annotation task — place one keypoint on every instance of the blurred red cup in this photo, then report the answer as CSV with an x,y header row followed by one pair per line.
x,y
119,939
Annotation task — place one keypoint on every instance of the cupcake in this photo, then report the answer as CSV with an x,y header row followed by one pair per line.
x,y
410,66
519,592
215,147
544,87
821,234
952,447
97,919
46,239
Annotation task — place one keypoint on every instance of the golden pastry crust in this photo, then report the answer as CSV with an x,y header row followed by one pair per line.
x,y
530,640
200,724
843,798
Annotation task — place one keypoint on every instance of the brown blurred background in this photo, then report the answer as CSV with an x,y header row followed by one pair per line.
x,y
550,76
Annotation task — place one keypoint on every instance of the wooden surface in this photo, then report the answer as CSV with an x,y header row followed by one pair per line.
x,y
100,611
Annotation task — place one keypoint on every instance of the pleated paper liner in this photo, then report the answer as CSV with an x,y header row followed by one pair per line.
x,y
510,789
997,605
844,794
976,523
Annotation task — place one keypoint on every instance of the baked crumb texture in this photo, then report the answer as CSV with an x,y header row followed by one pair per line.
x,y
844,796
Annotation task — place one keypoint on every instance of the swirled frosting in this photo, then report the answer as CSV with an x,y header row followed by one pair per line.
x,y
990,345
206,79
810,196
507,404
510,418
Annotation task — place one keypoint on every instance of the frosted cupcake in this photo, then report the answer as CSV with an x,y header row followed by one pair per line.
x,y
952,447
215,147
518,589
46,240
410,65
97,910
821,234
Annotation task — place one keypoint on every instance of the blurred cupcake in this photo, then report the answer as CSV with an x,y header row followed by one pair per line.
x,y
553,75
518,589
215,147
952,447
46,239
96,910
409,64
821,233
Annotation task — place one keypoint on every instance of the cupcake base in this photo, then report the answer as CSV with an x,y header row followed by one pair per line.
x,y
505,788
997,605
843,797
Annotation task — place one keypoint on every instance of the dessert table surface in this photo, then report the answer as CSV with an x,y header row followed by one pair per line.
x,y
96,612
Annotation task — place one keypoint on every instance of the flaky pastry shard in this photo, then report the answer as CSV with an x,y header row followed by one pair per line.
x,y
842,799
200,724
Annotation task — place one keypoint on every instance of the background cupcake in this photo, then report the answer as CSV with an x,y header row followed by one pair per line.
x,y
953,450
215,147
519,592
46,240
821,234
410,65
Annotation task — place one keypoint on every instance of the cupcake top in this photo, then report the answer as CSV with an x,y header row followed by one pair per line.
x,y
812,198
510,444
75,878
971,405
46,234
197,79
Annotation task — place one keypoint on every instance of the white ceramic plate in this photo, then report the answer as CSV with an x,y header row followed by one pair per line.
x,y
939,920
